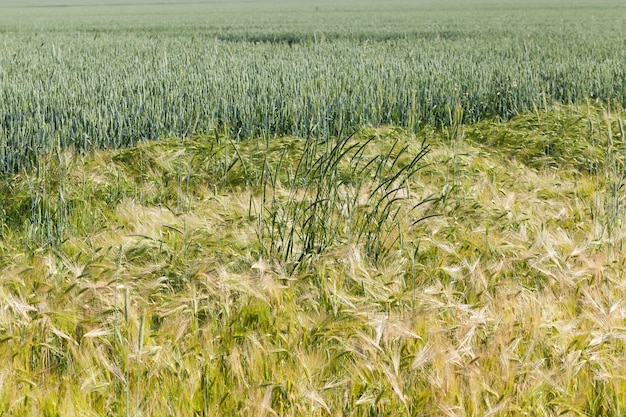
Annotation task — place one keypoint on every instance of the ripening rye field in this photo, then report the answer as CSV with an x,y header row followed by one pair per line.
x,y
312,208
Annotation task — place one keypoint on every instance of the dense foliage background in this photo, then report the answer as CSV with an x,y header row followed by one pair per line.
x,y
109,75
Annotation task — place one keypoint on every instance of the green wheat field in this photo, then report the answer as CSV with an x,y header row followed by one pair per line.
x,y
312,208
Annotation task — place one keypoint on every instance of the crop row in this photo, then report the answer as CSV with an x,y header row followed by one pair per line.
x,y
111,90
